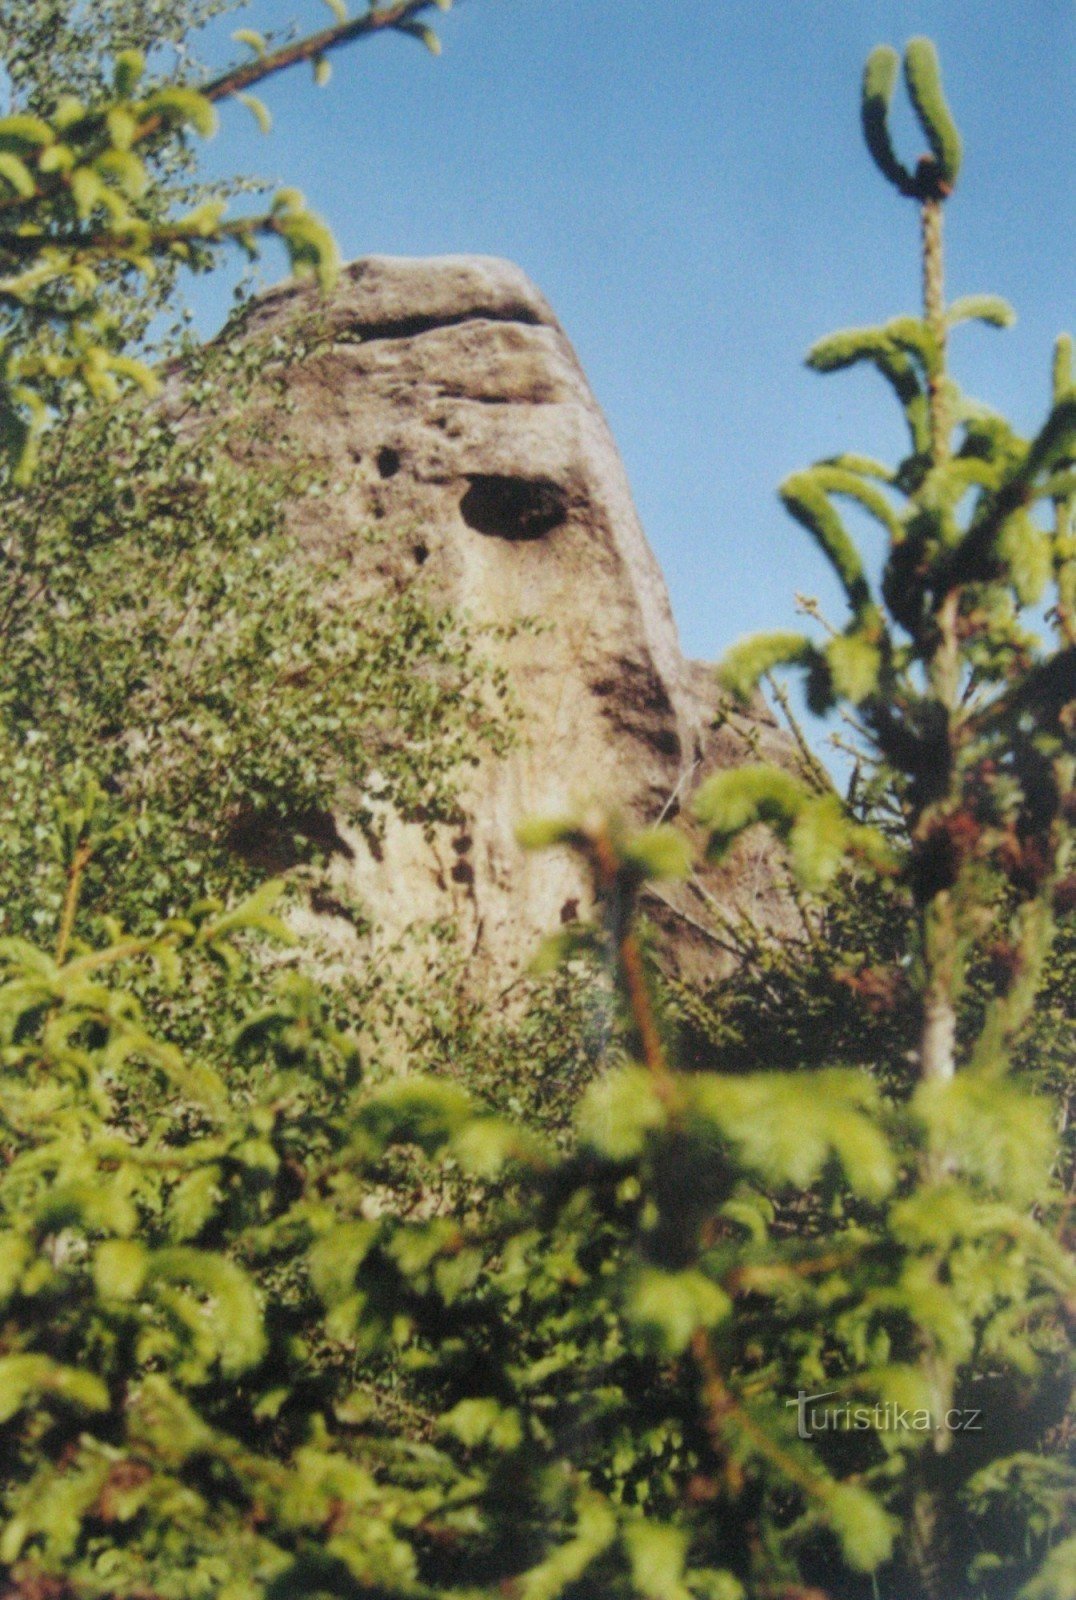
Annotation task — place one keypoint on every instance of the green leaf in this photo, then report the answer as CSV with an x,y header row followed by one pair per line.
x,y
819,841
119,1269
258,110
230,1308
338,9
786,1126
336,1258
24,132
252,39
24,1377
485,1145
657,1553
424,34
1027,552
194,1200
865,1529
311,247
994,1133
477,1422
854,662
127,72
619,1112
1056,1578
176,104
595,1530
427,1112
670,1307
16,174
323,70
15,1256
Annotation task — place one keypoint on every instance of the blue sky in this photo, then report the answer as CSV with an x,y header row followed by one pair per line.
x,y
687,184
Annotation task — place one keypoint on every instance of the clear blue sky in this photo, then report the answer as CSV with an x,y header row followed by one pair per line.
x,y
687,184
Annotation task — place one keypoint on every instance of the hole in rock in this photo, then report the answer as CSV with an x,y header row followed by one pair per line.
x,y
388,461
513,508
421,553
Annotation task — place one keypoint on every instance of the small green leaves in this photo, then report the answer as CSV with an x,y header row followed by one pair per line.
x,y
818,832
252,39
671,1307
901,369
657,1552
1056,1577
16,174
311,247
865,1529
593,1532
184,106
619,1113
786,1127
23,134
258,110
120,1269
217,1307
922,75
484,1422
425,35
25,1377
854,662
127,72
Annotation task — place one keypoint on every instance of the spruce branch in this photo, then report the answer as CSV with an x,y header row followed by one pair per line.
x,y
80,860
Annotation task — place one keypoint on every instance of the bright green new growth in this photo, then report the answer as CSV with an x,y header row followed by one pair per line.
x,y
879,81
922,76
748,662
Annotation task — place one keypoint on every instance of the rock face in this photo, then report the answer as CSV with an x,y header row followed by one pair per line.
x,y
445,397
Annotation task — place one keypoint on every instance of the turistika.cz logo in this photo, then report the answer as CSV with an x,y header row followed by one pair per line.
x,y
813,1417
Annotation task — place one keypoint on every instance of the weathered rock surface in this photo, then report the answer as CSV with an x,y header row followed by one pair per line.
x,y
445,397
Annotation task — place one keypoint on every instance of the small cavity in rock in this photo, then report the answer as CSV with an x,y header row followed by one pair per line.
x,y
513,508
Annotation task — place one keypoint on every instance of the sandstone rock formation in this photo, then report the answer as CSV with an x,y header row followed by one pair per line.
x,y
447,399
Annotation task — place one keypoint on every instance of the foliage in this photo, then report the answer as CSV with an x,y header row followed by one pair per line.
x,y
83,214
280,1323
168,639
